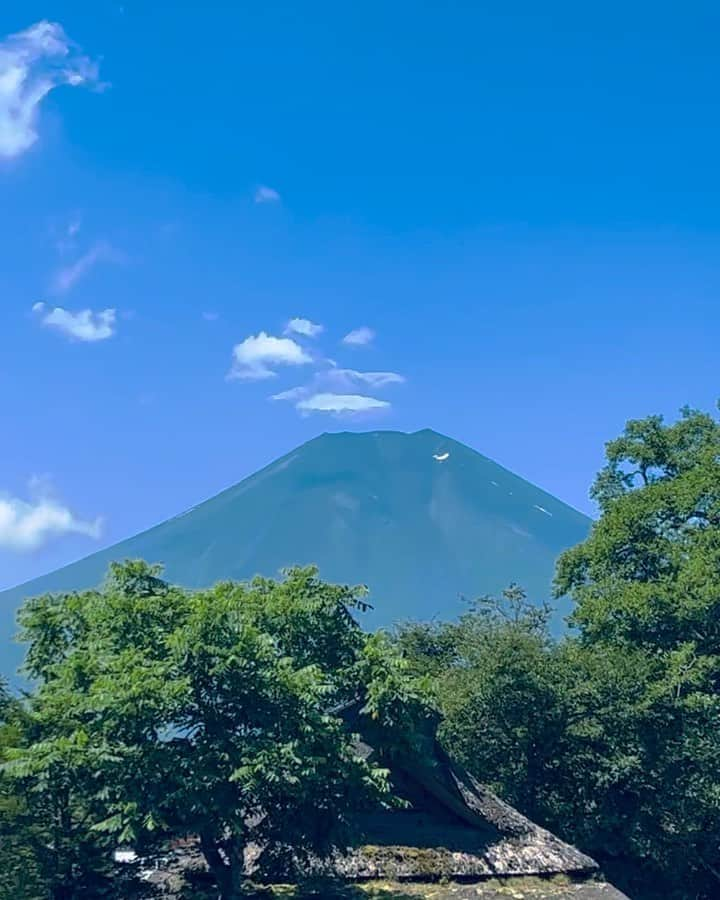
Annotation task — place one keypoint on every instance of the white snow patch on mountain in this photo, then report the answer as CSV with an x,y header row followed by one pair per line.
x,y
541,509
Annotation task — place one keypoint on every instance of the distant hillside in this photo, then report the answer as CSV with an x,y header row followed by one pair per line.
x,y
419,518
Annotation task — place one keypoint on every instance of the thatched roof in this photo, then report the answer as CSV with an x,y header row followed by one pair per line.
x,y
451,827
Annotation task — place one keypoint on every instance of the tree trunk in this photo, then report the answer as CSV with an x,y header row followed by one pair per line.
x,y
222,873
236,858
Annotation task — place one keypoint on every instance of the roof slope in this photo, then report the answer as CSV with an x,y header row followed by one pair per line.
x,y
451,827
448,828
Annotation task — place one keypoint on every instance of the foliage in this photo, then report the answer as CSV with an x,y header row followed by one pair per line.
x,y
500,689
396,700
179,712
648,574
647,587
46,848
20,867
610,737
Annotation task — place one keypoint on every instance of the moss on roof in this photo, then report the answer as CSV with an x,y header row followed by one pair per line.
x,y
556,888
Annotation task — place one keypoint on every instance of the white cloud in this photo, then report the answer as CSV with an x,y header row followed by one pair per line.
x,y
349,377
336,380
296,393
28,524
32,63
359,337
83,325
340,403
254,356
304,327
68,276
265,194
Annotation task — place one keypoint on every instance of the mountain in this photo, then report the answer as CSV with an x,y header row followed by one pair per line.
x,y
420,518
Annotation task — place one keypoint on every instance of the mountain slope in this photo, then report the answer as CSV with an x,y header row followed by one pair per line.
x,y
419,518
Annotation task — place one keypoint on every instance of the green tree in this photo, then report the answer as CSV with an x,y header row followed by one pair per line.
x,y
610,737
648,574
646,584
501,689
202,712
20,868
46,846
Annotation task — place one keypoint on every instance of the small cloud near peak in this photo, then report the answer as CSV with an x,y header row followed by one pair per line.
x,y
359,337
340,403
349,377
335,391
296,393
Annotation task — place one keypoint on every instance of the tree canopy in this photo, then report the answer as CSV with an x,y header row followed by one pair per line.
x,y
646,585
648,574
202,712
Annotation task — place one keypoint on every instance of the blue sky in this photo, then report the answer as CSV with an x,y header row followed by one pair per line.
x,y
520,202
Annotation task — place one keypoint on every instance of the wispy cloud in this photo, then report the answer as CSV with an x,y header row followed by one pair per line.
x,y
340,403
211,316
66,237
334,391
330,388
336,380
265,194
304,327
296,393
82,325
351,377
254,357
69,275
29,524
359,337
32,63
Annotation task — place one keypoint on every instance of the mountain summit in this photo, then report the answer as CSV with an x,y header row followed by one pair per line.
x,y
419,518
